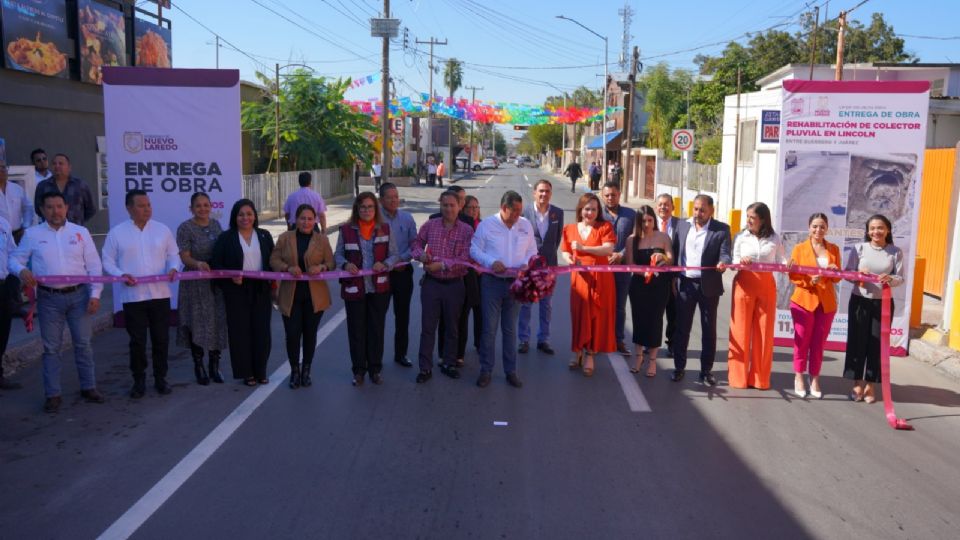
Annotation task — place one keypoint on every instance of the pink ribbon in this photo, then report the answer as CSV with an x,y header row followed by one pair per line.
x,y
886,315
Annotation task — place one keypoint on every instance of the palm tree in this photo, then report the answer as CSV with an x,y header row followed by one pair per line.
x,y
453,75
453,80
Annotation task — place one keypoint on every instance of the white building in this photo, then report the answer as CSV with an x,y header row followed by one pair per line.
x,y
753,175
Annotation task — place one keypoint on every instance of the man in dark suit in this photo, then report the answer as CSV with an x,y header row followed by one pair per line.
x,y
701,241
547,221
668,224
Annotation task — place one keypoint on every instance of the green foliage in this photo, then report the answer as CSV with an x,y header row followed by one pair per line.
x,y
546,135
453,75
709,149
499,143
526,146
665,101
317,130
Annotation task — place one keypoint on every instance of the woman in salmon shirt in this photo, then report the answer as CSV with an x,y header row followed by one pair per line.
x,y
813,304
592,294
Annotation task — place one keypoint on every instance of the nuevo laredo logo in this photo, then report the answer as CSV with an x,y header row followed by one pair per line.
x,y
133,141
823,106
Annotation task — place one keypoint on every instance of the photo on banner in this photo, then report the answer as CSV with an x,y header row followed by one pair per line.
x,y
103,39
167,149
153,45
851,150
35,36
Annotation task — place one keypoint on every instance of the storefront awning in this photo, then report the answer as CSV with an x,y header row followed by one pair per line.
x,y
593,143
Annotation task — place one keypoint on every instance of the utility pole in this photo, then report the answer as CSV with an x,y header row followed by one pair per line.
x,y
385,137
841,24
736,148
276,138
813,44
432,41
473,101
628,126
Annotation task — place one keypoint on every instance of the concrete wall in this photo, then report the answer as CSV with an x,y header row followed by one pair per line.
x,y
60,116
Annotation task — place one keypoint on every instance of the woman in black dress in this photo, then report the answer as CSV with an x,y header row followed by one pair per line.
x,y
648,290
245,246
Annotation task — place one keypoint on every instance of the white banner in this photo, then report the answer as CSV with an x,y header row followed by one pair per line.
x,y
851,150
172,132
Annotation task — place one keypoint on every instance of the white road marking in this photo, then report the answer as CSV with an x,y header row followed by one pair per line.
x,y
488,180
500,423
628,383
141,511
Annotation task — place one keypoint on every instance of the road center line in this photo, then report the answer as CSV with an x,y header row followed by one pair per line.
x,y
628,383
141,511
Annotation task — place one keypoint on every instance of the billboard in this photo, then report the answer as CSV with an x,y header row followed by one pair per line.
x,y
851,149
35,36
103,39
153,45
172,132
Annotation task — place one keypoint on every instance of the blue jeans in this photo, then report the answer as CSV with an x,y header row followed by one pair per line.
x,y
55,310
543,332
498,306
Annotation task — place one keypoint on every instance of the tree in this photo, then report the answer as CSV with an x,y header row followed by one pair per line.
x,y
875,43
453,75
318,130
546,135
665,101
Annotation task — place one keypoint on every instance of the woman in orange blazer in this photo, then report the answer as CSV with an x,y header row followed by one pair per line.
x,y
303,250
813,304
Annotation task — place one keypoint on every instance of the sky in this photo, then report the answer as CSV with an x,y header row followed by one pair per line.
x,y
510,47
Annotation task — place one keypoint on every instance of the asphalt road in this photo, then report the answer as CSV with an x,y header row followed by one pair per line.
x,y
614,456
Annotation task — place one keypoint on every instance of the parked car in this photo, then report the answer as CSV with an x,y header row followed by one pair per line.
x,y
476,166
791,160
489,163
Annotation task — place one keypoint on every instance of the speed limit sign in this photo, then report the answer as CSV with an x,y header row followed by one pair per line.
x,y
682,140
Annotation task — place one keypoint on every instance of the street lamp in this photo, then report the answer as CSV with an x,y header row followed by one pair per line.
x,y
563,134
603,168
276,138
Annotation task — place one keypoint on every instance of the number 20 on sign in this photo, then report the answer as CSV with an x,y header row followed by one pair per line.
x,y
682,140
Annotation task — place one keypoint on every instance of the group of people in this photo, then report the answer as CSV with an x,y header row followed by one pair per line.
x,y
574,172
382,240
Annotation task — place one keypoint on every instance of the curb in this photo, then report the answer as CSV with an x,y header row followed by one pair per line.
x,y
945,360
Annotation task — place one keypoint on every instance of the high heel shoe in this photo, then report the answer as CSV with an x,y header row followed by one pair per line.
x,y
588,366
868,396
637,362
577,362
652,366
799,389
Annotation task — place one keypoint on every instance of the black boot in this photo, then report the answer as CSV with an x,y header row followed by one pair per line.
x,y
139,386
214,367
198,369
294,375
305,380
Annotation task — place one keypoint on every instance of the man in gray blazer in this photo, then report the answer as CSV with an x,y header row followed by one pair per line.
x,y
704,242
668,224
547,221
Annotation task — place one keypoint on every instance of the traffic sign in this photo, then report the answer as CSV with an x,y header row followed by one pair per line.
x,y
396,125
682,140
519,127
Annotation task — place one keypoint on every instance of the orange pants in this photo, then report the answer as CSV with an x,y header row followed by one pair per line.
x,y
753,313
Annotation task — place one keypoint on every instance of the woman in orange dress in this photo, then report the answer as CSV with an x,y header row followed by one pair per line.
x,y
592,294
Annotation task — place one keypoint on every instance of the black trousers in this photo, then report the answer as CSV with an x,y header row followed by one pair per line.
x,y
471,302
151,316
671,312
689,298
302,325
440,301
365,322
6,313
862,360
401,292
249,311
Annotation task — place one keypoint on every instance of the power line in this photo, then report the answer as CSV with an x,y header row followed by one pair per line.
x,y
258,63
313,32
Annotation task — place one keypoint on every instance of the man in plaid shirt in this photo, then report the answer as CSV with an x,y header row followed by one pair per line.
x,y
441,243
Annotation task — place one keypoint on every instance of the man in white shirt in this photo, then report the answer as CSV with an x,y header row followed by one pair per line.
x,y
502,242
59,247
701,241
135,248
668,225
41,165
376,171
15,207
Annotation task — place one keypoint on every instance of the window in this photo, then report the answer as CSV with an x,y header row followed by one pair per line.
x,y
748,141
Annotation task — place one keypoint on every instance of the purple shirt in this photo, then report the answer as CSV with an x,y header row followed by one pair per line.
x,y
304,195
451,243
